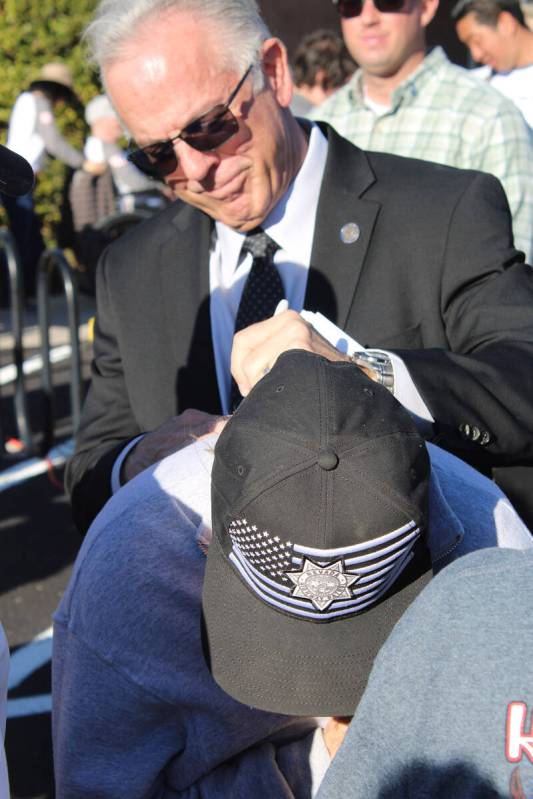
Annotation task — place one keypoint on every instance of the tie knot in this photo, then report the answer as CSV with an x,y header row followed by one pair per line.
x,y
259,244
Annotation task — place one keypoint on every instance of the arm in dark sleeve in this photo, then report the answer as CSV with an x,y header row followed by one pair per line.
x,y
484,381
107,421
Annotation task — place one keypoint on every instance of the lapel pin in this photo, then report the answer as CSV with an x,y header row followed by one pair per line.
x,y
350,233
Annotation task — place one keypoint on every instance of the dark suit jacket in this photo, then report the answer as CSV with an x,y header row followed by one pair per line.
x,y
433,277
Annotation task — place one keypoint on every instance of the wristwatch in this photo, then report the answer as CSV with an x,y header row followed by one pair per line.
x,y
380,363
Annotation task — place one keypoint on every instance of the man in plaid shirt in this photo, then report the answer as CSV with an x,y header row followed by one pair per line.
x,y
405,102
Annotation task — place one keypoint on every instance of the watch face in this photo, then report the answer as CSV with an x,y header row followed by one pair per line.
x,y
377,366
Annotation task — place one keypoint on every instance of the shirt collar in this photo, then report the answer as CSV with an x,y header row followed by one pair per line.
x,y
291,223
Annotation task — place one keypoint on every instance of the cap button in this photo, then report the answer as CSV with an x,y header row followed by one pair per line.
x,y
327,459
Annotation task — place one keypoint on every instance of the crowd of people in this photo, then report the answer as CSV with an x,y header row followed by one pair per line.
x,y
102,182
312,379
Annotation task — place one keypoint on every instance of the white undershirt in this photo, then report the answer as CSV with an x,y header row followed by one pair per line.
x,y
517,85
379,109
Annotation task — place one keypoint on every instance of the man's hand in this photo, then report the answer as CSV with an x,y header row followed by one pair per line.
x,y
176,433
257,348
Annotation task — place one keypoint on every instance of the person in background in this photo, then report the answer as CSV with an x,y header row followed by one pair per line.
x,y
102,147
96,201
496,33
33,134
320,66
407,101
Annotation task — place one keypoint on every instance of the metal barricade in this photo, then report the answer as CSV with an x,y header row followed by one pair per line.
x,y
52,261
16,296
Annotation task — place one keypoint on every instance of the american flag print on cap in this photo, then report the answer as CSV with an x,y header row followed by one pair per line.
x,y
319,584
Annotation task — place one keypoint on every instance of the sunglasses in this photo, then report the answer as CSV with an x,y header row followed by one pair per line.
x,y
352,8
205,133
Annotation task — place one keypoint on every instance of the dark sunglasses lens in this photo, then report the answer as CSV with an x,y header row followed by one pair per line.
x,y
349,8
212,130
207,133
389,5
156,161
352,8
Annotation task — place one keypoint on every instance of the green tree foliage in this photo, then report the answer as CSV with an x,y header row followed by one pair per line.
x,y
34,32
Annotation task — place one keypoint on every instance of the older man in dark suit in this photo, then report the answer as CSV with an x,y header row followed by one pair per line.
x,y
411,258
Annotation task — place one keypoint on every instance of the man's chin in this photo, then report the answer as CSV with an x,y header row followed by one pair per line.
x,y
238,219
234,211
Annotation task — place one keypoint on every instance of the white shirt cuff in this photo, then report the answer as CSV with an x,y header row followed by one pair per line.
x,y
115,473
407,393
94,150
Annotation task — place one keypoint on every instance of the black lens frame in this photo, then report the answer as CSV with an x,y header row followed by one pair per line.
x,y
353,8
206,133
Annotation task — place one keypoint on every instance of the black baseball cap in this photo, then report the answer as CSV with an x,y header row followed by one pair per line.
x,y
16,175
320,512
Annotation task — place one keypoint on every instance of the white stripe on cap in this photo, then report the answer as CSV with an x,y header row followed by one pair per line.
x,y
342,552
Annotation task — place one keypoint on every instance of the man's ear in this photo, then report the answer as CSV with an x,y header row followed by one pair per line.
x,y
428,11
506,24
277,70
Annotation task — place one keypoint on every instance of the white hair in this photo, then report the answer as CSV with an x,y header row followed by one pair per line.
x,y
239,26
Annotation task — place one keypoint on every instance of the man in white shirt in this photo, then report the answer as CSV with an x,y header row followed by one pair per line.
x,y
409,258
496,33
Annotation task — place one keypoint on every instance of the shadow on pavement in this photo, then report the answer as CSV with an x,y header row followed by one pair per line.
x,y
29,745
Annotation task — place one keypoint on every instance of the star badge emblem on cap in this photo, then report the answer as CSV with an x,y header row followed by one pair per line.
x,y
322,584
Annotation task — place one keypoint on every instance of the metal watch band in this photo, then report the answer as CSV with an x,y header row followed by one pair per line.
x,y
381,364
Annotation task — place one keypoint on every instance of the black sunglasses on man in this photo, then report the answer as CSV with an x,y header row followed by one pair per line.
x,y
352,8
205,133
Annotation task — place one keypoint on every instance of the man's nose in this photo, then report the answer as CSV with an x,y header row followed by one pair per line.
x,y
369,12
476,53
194,164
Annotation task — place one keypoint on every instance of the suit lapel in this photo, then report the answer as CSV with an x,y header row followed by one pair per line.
x,y
335,264
184,275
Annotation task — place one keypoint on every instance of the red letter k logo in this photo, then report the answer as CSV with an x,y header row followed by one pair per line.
x,y
517,741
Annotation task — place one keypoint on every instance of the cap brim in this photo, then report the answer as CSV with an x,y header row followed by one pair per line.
x,y
269,660
16,175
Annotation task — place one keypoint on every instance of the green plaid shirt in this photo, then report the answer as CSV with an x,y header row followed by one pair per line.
x,y
443,114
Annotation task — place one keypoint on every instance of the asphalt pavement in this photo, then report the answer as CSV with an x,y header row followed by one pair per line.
x,y
39,542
